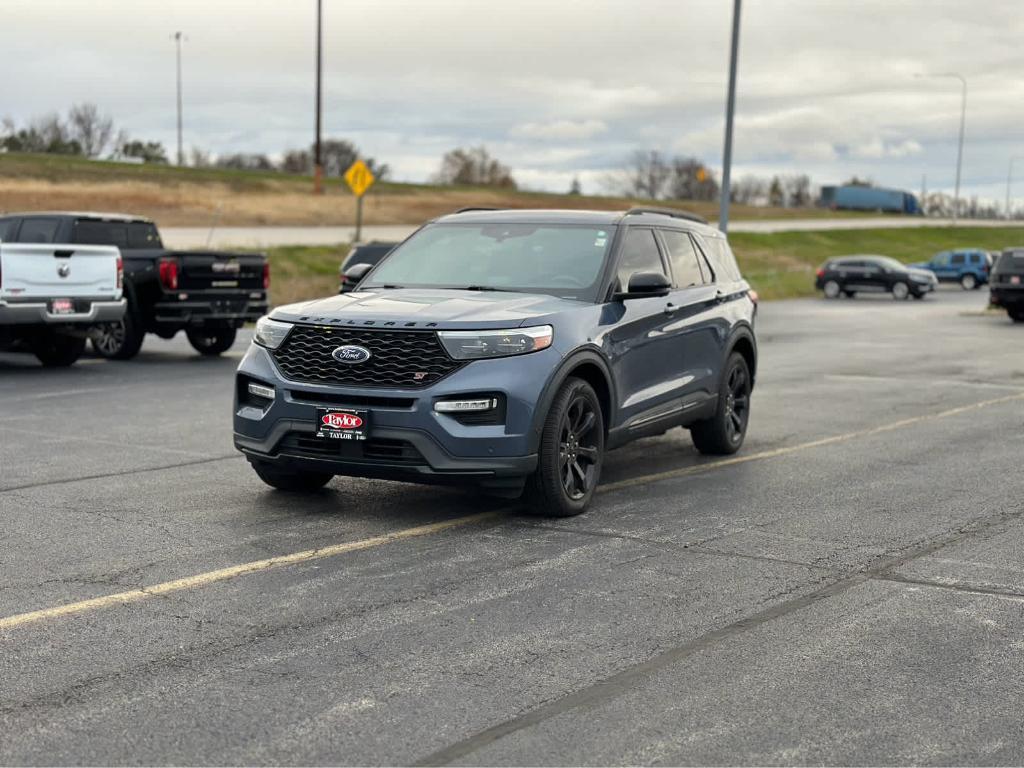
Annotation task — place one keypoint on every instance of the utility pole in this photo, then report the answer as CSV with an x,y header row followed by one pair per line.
x,y
730,108
178,37
1009,181
960,144
318,166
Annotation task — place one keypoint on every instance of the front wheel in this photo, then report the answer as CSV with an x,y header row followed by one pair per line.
x,y
571,453
968,282
723,433
291,480
211,341
900,291
55,350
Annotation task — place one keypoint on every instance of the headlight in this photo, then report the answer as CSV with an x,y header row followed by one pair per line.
x,y
476,345
271,333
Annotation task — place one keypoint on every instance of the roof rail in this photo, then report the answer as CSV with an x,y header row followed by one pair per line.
x,y
673,212
476,208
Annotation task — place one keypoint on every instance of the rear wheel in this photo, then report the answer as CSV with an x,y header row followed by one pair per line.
x,y
900,291
723,433
968,282
55,350
211,341
571,453
831,289
121,340
1017,315
291,480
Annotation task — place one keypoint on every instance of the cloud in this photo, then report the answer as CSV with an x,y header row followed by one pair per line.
x,y
560,129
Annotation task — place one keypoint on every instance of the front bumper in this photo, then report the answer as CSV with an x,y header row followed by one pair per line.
x,y
38,313
407,439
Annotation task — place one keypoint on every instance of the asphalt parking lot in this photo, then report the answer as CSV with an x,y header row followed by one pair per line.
x,y
847,589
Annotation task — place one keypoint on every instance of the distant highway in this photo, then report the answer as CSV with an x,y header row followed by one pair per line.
x,y
261,237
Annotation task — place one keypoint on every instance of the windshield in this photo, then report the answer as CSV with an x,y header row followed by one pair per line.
x,y
889,262
559,259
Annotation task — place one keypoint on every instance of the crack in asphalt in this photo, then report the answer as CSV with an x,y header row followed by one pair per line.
x,y
122,473
955,586
629,678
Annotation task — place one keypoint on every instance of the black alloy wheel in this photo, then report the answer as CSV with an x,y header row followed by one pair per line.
x,y
578,452
724,432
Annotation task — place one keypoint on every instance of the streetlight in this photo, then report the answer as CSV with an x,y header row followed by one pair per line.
x,y
960,148
178,37
730,108
1009,181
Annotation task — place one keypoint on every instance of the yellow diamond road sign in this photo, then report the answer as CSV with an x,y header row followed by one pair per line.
x,y
359,178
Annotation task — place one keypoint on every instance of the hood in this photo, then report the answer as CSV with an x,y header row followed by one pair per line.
x,y
920,265
428,307
922,274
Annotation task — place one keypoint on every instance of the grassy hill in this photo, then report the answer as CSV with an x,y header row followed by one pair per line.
x,y
195,196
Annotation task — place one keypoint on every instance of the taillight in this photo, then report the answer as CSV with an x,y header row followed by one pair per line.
x,y
820,272
169,274
266,275
753,296
120,273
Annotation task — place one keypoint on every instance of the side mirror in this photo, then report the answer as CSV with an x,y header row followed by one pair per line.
x,y
351,277
646,285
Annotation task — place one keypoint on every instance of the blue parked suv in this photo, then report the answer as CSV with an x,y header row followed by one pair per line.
x,y
506,349
969,266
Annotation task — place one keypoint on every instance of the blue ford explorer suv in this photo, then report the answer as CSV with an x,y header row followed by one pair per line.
x,y
506,349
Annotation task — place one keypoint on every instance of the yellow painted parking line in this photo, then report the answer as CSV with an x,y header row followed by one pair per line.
x,y
223,574
890,427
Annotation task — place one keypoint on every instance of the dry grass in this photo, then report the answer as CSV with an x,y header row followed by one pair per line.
x,y
193,197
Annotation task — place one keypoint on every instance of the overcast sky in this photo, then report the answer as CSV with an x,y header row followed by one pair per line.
x,y
555,88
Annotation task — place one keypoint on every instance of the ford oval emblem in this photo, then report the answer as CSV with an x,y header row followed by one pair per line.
x,y
350,353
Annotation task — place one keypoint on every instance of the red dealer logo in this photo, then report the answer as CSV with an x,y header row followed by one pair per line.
x,y
341,421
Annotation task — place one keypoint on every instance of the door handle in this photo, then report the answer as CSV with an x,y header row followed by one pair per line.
x,y
670,309
719,297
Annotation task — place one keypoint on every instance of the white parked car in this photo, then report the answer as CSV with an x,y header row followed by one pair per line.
x,y
51,295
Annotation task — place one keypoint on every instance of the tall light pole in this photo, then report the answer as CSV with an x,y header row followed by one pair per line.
x,y
960,145
178,37
1009,181
730,108
318,166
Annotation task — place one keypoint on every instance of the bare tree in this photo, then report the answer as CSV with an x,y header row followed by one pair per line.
x,y
199,158
90,129
474,166
798,190
776,194
691,180
749,190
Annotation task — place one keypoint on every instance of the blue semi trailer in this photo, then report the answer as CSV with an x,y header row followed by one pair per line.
x,y
855,198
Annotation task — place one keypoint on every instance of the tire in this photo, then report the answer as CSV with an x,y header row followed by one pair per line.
x,y
1017,315
211,341
831,289
724,432
919,296
56,350
900,291
295,481
571,453
121,340
850,294
968,282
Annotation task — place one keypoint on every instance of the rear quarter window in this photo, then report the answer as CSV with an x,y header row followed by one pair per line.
x,y
38,230
721,258
7,229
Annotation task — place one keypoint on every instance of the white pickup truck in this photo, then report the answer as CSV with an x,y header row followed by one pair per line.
x,y
51,295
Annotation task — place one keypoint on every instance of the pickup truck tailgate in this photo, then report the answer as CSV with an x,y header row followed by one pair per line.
x,y
39,271
213,271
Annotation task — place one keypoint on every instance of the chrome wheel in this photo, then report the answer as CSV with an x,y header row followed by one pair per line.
x,y
968,282
578,451
108,338
831,289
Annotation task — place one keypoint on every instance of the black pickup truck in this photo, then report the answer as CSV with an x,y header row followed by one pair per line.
x,y
207,294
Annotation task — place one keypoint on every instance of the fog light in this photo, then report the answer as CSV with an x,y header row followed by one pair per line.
x,y
466,406
261,391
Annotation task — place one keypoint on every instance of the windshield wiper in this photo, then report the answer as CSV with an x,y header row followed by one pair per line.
x,y
488,288
386,286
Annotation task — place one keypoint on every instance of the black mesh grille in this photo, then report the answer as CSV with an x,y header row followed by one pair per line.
x,y
397,358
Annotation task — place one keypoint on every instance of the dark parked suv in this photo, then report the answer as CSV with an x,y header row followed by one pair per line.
x,y
849,275
506,349
1006,288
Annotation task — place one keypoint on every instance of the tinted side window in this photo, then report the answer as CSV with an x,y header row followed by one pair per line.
x,y
639,254
682,254
7,229
38,230
722,261
958,258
